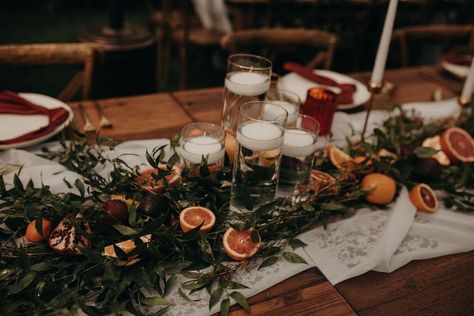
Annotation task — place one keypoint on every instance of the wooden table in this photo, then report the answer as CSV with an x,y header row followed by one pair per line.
x,y
439,286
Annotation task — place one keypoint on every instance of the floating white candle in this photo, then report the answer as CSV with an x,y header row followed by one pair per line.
x,y
247,83
469,83
195,148
298,143
260,136
384,44
291,108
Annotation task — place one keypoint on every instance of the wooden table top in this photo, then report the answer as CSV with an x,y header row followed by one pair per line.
x,y
438,286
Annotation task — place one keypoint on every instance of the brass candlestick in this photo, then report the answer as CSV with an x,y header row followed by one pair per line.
x,y
374,89
463,101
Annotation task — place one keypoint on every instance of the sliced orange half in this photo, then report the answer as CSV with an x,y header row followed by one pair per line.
x,y
194,216
126,246
423,198
239,245
338,158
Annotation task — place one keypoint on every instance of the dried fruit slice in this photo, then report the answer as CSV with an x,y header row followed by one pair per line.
x,y
145,178
239,245
320,180
383,188
423,198
338,158
457,144
126,246
435,143
32,235
194,216
66,237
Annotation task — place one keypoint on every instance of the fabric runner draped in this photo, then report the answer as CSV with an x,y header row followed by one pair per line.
x,y
370,239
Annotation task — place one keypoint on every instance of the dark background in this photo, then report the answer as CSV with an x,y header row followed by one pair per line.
x,y
359,27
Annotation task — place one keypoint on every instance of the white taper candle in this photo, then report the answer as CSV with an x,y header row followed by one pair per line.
x,y
469,83
384,44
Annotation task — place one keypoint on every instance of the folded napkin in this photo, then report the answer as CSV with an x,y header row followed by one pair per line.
x,y
347,89
462,60
12,103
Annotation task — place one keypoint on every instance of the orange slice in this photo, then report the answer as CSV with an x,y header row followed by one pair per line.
x,y
338,158
423,198
383,188
194,216
145,178
320,180
435,143
457,144
239,245
126,246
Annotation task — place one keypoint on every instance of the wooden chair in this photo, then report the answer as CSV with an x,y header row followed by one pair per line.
x,y
55,54
176,25
421,34
270,42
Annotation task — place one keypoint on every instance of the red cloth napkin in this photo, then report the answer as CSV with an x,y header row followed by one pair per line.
x,y
347,89
457,60
12,103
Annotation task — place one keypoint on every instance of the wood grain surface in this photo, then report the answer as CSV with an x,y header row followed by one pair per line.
x,y
137,117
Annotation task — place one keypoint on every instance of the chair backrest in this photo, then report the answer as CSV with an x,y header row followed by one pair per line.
x,y
55,54
463,34
271,41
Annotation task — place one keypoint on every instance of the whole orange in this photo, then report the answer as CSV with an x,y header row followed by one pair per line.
x,y
32,234
382,188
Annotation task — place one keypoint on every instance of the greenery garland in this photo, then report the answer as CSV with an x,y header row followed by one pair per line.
x,y
36,280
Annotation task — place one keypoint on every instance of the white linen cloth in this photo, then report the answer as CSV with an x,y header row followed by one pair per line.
x,y
372,239
213,15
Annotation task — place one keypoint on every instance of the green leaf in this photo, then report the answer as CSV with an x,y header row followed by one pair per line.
x,y
241,300
125,230
194,285
264,209
225,304
228,284
17,183
332,207
296,243
41,266
150,160
215,297
268,262
2,185
80,186
23,283
181,293
191,275
156,300
170,283
293,257
425,152
255,236
239,226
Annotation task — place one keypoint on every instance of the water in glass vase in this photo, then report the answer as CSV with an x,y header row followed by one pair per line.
x,y
297,159
256,170
241,87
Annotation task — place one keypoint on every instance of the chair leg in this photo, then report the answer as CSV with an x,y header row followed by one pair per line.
x,y
182,66
165,62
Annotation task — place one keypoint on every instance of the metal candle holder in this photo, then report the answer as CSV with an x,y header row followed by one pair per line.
x,y
463,102
374,89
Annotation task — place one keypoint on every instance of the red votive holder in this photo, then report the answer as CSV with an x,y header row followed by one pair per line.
x,y
321,104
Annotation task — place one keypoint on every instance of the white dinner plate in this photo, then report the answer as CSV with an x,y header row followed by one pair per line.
x,y
12,125
299,85
459,71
